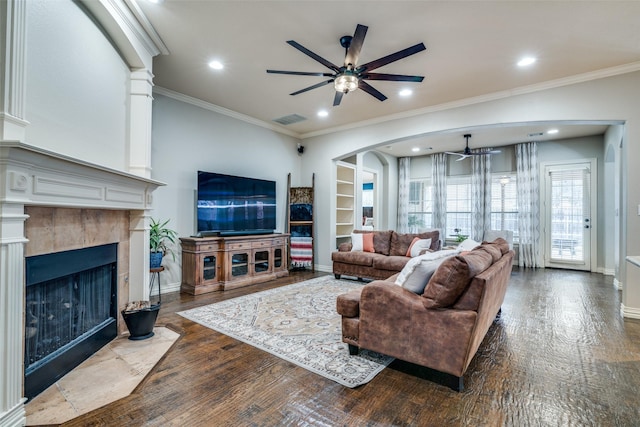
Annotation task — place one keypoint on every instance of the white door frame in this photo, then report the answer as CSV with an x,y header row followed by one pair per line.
x,y
593,219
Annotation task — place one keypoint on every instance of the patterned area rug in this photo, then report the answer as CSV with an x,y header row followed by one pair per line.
x,y
298,323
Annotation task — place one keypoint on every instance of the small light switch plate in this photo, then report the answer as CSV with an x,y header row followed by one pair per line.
x,y
638,210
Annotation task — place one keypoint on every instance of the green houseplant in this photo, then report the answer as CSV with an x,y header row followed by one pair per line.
x,y
159,236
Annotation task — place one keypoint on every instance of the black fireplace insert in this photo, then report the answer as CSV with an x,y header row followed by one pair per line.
x,y
70,311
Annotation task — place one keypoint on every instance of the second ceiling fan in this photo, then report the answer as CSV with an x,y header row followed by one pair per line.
x,y
351,76
468,153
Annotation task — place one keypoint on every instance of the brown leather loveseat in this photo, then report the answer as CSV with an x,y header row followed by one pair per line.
x,y
440,328
387,256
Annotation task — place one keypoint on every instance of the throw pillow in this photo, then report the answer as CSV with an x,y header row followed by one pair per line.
x,y
453,277
447,283
417,246
356,242
500,243
381,240
468,245
491,249
418,279
367,242
400,242
412,265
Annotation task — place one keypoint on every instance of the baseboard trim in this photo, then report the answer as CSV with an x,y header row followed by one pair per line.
x,y
324,268
171,287
629,312
15,416
607,271
617,284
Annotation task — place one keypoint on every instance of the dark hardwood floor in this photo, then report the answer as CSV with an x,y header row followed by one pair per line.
x,y
560,355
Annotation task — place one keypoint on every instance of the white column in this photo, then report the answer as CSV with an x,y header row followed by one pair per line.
x,y
12,217
139,256
140,123
12,242
12,70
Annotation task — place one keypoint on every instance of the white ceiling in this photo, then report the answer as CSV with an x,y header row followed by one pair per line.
x,y
472,50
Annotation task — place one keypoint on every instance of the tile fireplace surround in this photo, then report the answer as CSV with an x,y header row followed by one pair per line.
x,y
51,203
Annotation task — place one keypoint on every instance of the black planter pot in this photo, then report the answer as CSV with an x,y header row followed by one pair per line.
x,y
140,322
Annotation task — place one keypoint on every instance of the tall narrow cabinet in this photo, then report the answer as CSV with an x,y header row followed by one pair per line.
x,y
345,201
300,224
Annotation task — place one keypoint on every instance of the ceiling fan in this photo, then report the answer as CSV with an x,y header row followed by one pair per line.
x,y
468,153
352,76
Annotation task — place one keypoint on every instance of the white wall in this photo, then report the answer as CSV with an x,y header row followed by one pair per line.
x,y
77,86
188,138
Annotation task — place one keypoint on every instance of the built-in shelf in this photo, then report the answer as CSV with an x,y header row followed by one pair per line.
x,y
345,201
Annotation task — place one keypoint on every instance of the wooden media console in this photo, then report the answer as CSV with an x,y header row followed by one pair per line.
x,y
226,262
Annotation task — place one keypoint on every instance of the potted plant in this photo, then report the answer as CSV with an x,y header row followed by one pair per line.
x,y
159,237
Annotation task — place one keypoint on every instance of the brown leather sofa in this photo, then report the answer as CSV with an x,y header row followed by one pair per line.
x,y
441,328
388,256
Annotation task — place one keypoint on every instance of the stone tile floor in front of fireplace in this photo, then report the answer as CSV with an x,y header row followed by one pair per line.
x,y
110,374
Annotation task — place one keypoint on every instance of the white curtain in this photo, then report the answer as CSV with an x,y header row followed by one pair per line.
x,y
528,188
480,194
439,186
404,175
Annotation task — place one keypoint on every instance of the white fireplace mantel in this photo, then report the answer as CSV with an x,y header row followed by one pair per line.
x,y
32,176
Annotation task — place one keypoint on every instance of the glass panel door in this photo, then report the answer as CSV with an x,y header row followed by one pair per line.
x,y
239,264
568,216
277,258
261,261
209,267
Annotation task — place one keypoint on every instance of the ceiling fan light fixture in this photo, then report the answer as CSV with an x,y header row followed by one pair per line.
x,y
346,82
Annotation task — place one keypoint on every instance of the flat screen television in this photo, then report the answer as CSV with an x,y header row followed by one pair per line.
x,y
230,205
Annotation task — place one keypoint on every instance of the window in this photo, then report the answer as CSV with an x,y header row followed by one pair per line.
x,y
420,204
458,206
504,206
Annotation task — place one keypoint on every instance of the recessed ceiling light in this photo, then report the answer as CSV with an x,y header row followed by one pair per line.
x,y
415,149
552,131
527,60
405,92
323,113
216,65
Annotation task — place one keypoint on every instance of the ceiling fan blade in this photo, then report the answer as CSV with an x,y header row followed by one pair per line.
x,y
356,45
314,56
483,153
392,77
300,73
315,86
371,90
337,98
461,156
392,58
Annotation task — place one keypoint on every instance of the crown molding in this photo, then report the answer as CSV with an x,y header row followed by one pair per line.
x,y
221,110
